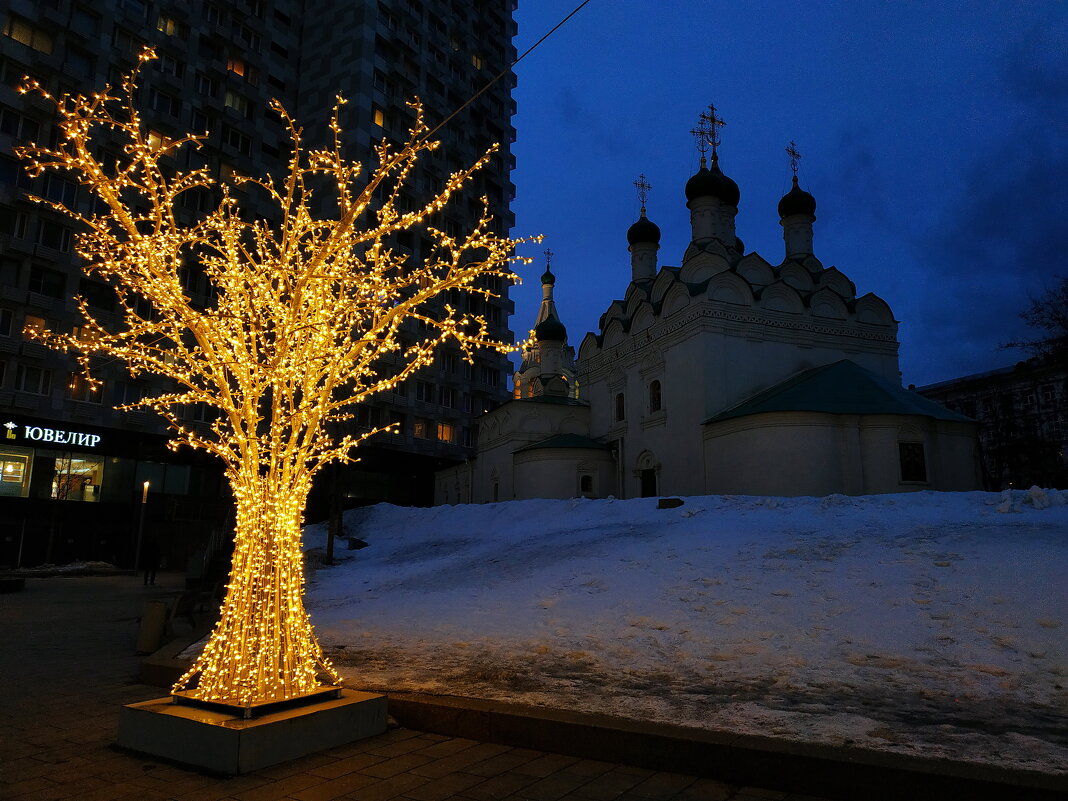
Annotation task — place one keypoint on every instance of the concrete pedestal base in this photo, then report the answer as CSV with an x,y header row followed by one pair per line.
x,y
225,743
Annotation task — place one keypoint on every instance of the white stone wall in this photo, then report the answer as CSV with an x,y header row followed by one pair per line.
x,y
811,453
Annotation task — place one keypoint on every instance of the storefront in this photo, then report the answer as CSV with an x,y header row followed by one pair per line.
x,y
70,491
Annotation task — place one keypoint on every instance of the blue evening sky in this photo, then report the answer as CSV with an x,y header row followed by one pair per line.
x,y
934,138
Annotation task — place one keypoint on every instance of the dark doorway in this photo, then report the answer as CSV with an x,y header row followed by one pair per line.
x,y
648,478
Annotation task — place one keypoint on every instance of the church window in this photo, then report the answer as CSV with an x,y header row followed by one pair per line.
x,y
913,461
655,402
621,407
586,484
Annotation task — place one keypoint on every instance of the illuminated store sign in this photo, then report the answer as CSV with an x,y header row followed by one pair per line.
x,y
54,436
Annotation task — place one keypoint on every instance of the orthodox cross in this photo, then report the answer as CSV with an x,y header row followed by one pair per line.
x,y
712,124
702,132
548,258
643,187
795,156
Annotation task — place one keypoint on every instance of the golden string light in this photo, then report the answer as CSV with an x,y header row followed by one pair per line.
x,y
306,316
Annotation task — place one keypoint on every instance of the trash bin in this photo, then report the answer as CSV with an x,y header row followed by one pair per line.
x,y
153,622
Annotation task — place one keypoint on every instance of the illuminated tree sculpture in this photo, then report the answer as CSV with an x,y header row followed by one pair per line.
x,y
305,323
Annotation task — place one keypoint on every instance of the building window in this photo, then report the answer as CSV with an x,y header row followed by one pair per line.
x,y
35,380
586,484
77,478
78,62
422,428
169,66
913,461
47,282
53,235
237,140
33,325
378,116
18,127
655,403
79,388
164,103
25,32
242,68
238,103
620,407
446,432
205,85
447,397
5,324
424,391
170,26
12,223
60,190
97,294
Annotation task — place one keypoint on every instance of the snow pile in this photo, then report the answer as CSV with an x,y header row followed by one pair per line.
x,y
928,623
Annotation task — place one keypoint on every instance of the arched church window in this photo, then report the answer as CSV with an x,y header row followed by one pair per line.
x,y
621,407
913,461
586,483
655,403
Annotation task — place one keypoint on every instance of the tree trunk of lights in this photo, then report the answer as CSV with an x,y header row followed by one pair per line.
x,y
263,646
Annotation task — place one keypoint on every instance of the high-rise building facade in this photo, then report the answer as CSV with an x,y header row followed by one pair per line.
x,y
219,64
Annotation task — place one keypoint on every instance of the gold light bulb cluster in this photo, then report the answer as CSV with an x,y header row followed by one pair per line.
x,y
306,313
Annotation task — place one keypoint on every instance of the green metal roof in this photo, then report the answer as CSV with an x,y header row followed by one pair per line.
x,y
565,441
843,387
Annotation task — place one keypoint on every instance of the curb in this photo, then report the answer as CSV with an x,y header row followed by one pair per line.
x,y
838,772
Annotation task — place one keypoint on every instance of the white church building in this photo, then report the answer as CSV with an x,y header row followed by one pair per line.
x,y
725,374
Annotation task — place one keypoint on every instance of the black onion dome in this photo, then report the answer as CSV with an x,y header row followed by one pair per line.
x,y
797,201
644,230
547,277
729,193
711,182
550,329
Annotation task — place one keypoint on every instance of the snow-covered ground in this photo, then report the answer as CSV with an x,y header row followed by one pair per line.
x,y
927,623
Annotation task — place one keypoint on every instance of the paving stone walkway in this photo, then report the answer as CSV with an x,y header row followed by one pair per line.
x,y
67,664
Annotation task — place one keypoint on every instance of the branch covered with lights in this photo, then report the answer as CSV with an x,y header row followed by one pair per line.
x,y
305,322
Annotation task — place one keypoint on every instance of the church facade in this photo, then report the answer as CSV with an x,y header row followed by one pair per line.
x,y
725,374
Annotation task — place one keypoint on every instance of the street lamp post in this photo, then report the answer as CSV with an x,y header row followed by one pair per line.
x,y
141,526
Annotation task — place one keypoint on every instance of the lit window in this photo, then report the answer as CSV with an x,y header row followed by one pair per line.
x,y
24,32
242,68
446,432
421,429
379,117
476,61
33,325
155,140
79,388
237,102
